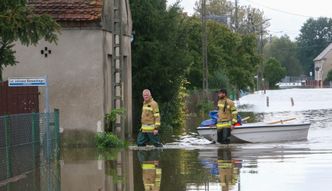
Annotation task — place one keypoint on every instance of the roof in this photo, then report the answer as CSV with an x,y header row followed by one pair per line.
x,y
69,10
324,53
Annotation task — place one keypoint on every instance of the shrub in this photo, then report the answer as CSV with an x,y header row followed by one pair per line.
x,y
110,118
107,140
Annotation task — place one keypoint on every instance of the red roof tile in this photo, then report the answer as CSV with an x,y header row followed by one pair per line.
x,y
69,10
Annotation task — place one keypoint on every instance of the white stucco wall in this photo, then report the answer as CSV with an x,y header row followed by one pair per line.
x,y
319,73
75,72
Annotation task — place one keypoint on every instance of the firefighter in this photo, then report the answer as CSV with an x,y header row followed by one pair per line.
x,y
150,121
227,117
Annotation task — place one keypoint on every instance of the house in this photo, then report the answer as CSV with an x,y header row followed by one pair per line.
x,y
323,64
81,66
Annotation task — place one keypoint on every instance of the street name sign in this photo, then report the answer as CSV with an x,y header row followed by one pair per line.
x,y
19,82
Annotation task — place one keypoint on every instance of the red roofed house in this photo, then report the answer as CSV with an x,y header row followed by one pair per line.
x,y
80,67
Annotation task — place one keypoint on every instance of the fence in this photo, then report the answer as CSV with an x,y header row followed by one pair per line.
x,y
27,143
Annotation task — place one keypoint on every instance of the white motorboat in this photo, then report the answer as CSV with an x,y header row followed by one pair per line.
x,y
261,132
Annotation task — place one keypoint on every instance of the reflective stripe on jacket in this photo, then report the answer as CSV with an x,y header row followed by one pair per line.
x,y
151,176
150,115
226,124
147,128
227,113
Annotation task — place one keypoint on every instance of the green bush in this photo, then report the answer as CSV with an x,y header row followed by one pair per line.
x,y
110,118
329,76
205,107
107,140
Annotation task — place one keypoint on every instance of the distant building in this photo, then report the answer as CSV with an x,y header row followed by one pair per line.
x,y
291,82
80,66
323,64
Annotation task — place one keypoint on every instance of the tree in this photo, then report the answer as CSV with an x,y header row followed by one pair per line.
x,y
159,56
232,57
315,36
243,19
329,76
274,72
285,51
19,23
243,69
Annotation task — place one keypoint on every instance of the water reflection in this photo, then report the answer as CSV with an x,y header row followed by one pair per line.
x,y
221,164
210,168
151,171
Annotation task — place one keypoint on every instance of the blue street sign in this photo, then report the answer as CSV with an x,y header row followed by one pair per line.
x,y
19,82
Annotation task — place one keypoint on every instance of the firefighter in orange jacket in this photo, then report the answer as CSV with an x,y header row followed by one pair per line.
x,y
227,117
150,120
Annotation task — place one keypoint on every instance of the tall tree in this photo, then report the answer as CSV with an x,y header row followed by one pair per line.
x,y
19,23
232,58
274,72
243,19
315,36
285,51
160,57
233,53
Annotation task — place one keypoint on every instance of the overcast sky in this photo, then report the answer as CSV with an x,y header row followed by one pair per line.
x,y
287,16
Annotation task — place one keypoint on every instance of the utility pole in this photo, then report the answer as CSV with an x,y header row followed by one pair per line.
x,y
117,67
261,46
236,17
261,69
204,48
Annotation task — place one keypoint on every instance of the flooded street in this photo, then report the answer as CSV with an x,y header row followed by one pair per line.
x,y
191,163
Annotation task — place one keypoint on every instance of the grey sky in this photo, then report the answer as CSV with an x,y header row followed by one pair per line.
x,y
287,16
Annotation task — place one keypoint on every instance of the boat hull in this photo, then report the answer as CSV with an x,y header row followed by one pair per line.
x,y
261,133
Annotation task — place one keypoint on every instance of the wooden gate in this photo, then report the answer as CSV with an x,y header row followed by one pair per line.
x,y
14,100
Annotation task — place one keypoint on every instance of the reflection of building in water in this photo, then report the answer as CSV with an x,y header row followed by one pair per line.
x,y
150,169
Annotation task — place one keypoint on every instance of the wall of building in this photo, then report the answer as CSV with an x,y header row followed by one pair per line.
x,y
327,65
318,69
75,74
108,55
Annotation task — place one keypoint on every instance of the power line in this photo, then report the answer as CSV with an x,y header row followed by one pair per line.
x,y
281,11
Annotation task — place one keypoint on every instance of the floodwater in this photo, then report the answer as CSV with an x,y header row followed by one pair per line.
x,y
192,163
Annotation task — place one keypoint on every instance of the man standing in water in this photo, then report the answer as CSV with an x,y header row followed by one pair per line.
x,y
227,117
150,120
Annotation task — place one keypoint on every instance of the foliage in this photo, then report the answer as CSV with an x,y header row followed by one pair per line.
x,y
19,23
315,36
274,72
107,140
243,19
329,76
205,107
219,78
242,70
160,57
182,95
285,51
111,117
232,57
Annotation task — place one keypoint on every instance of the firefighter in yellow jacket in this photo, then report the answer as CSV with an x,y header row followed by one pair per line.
x,y
227,117
150,120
